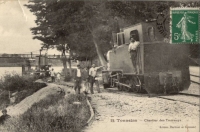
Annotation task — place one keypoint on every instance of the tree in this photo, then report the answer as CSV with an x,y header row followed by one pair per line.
x,y
138,11
5,55
67,19
62,47
52,28
82,27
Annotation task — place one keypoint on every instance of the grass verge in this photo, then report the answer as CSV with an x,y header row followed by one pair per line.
x,y
53,114
19,88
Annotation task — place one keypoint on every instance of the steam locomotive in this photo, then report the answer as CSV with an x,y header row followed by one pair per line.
x,y
163,68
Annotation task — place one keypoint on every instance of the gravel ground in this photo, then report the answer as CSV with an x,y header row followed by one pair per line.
x,y
195,70
196,79
127,112
193,89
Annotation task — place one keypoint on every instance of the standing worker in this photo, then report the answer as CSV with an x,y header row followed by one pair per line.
x,y
93,79
85,79
133,51
77,79
52,75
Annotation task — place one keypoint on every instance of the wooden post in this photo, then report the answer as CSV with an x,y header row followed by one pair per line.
x,y
9,95
39,59
31,55
23,69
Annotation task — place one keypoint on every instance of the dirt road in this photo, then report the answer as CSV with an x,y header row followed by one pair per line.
x,y
124,112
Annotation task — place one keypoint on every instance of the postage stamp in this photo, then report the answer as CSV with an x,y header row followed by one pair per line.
x,y
185,25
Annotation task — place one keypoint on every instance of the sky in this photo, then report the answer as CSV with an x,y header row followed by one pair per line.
x,y
15,23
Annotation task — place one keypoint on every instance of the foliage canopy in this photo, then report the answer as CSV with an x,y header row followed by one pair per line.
x,y
86,26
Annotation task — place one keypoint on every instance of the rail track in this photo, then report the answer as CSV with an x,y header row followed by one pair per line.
x,y
195,82
196,76
188,98
192,99
184,98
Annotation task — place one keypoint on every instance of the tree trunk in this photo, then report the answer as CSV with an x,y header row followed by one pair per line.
x,y
64,60
99,53
69,63
65,66
70,67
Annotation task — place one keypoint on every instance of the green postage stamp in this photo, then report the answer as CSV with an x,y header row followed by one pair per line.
x,y
184,26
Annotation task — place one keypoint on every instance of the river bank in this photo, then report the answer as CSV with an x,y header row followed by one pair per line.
x,y
72,116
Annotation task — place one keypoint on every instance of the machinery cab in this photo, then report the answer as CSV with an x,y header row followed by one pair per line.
x,y
159,64
119,57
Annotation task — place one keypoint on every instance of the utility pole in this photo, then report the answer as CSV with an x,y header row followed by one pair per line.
x,y
39,59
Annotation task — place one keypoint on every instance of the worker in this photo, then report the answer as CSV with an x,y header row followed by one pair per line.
x,y
132,49
93,78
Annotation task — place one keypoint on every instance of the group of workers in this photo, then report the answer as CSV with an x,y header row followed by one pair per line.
x,y
50,73
83,78
86,78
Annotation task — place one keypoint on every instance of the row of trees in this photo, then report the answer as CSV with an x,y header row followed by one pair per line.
x,y
84,28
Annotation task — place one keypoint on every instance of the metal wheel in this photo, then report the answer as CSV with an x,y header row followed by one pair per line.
x,y
127,82
118,79
122,88
106,86
119,87
112,82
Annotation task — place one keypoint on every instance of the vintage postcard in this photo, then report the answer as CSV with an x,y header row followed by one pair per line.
x,y
99,65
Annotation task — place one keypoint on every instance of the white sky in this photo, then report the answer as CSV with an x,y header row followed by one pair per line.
x,y
15,24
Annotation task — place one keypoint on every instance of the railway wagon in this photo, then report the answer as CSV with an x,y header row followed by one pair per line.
x,y
162,68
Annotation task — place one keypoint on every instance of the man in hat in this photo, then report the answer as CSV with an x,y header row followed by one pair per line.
x,y
77,79
93,79
132,49
4,117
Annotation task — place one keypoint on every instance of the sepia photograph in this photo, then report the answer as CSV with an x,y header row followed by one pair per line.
x,y
99,66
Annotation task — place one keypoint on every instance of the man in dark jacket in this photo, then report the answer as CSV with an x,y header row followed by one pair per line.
x,y
77,79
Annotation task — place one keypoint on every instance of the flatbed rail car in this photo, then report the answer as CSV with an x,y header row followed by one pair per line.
x,y
163,68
